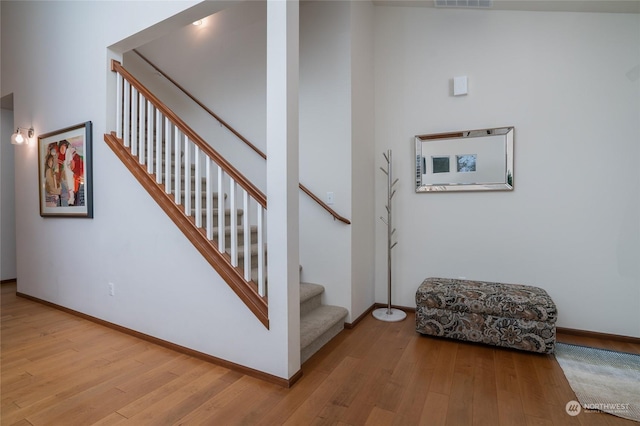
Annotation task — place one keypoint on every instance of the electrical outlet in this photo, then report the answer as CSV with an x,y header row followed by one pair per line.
x,y
112,290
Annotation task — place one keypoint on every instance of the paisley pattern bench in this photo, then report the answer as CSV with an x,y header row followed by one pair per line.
x,y
510,315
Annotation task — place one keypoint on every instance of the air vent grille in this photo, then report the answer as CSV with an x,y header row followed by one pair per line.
x,y
470,4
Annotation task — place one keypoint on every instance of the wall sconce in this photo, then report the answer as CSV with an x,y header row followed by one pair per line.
x,y
22,136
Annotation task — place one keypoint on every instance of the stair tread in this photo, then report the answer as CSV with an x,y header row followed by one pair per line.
x,y
309,290
204,193
316,322
227,229
252,252
215,211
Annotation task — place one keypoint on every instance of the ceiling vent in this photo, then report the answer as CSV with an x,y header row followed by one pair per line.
x,y
468,4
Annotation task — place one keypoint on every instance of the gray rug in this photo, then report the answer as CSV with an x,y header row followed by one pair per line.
x,y
603,380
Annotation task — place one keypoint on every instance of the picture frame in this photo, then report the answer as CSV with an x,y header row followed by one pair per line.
x,y
65,174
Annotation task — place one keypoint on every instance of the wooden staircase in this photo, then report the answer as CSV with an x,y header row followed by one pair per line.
x,y
228,230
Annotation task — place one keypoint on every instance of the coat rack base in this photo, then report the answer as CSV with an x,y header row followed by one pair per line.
x,y
389,315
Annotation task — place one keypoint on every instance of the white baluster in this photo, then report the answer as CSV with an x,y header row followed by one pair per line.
x,y
158,140
209,199
221,224
150,139
198,189
127,114
233,222
177,161
134,121
142,112
262,290
187,176
167,156
246,233
119,99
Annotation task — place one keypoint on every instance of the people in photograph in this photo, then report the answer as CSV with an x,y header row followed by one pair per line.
x,y
69,174
69,171
64,181
76,165
52,187
52,150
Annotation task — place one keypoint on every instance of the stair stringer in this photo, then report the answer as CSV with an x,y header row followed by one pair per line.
x,y
247,291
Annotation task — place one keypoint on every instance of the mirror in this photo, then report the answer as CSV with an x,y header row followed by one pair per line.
x,y
470,160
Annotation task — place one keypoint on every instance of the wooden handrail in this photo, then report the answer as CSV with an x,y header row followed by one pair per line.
x,y
204,107
335,215
238,177
304,189
247,291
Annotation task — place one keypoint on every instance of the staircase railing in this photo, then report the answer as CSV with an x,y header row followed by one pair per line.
x,y
304,189
191,181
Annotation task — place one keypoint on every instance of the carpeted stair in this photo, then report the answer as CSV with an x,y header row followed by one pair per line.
x,y
318,323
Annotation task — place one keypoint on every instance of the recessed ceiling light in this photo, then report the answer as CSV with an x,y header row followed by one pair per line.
x,y
198,22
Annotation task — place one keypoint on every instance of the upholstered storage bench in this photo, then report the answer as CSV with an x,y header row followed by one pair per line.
x,y
511,315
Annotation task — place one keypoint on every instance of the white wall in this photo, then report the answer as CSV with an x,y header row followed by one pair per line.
x,y
325,146
364,161
223,64
58,73
7,195
283,25
569,83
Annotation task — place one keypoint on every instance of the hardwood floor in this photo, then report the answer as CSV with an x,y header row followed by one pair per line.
x,y
58,369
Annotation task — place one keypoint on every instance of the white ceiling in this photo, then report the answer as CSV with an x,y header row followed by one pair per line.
x,y
600,6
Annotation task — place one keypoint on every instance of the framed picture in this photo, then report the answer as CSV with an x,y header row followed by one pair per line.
x,y
440,164
64,172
